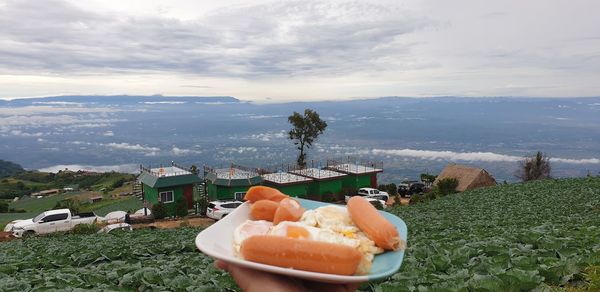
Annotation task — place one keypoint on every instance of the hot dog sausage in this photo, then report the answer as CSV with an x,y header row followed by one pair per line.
x,y
301,254
257,193
263,210
288,210
371,222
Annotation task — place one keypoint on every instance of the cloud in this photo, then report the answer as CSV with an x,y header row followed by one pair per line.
x,y
181,152
471,156
132,147
242,150
36,110
260,117
300,49
287,37
126,168
269,136
24,134
164,102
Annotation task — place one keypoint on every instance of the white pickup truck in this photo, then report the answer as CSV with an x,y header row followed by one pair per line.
x,y
48,222
370,193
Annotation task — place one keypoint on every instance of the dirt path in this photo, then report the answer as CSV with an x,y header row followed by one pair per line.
x,y
166,224
6,236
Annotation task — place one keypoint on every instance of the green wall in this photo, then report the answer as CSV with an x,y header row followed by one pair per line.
x,y
151,195
357,181
295,190
216,192
333,186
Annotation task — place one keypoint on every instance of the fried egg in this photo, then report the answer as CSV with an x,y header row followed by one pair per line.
x,y
303,231
249,228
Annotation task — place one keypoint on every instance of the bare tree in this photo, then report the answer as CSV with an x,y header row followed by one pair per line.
x,y
534,168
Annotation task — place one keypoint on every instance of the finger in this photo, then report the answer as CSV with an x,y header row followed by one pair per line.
x,y
319,286
219,264
256,281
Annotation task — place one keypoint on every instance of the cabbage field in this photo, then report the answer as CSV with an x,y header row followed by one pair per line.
x,y
506,238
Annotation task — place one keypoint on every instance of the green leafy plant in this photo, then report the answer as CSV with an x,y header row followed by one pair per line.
x,y
428,178
377,205
71,203
159,211
181,208
3,207
514,237
85,229
447,186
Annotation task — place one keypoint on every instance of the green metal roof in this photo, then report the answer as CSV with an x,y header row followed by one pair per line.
x,y
154,181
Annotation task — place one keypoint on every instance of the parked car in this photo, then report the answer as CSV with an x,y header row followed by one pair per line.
x,y
417,188
49,222
219,209
373,200
116,226
403,189
370,193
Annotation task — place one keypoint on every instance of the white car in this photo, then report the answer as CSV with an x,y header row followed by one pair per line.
x,y
373,200
117,226
219,209
370,193
49,222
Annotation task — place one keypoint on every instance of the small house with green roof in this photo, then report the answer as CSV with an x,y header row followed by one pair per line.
x,y
168,185
288,183
358,175
230,183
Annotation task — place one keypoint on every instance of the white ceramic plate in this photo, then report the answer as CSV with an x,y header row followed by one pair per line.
x,y
217,241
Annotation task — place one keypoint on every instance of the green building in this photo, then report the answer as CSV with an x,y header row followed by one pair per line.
x,y
230,183
168,185
358,175
324,182
290,184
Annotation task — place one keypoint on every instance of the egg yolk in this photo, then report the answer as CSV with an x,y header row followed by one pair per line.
x,y
349,234
297,232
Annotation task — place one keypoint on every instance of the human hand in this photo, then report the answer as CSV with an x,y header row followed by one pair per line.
x,y
258,281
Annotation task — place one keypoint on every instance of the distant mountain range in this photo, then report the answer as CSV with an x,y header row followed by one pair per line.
x,y
121,99
410,135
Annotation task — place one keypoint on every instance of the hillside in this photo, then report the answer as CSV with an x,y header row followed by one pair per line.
x,y
504,238
8,168
33,181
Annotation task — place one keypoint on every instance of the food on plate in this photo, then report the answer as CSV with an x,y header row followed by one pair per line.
x,y
257,193
337,219
371,222
314,240
288,210
301,254
249,228
263,210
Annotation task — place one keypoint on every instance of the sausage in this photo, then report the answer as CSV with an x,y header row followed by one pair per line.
x,y
288,210
371,222
263,210
257,193
301,254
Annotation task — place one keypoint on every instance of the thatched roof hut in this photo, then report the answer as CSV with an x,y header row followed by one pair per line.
x,y
468,177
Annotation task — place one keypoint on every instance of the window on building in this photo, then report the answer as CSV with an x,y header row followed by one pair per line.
x,y
239,195
166,197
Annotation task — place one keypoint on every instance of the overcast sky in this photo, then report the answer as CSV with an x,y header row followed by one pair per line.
x,y
300,50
